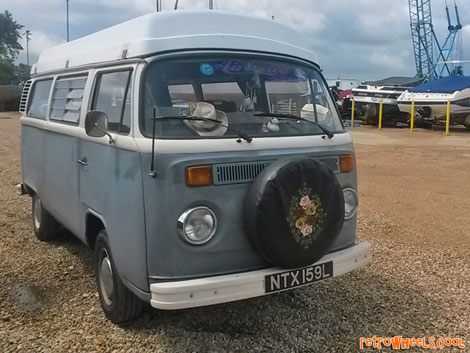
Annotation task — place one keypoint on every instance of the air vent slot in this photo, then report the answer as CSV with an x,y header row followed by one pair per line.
x,y
237,173
330,162
246,172
24,97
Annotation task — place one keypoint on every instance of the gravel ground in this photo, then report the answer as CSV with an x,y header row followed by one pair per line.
x,y
415,197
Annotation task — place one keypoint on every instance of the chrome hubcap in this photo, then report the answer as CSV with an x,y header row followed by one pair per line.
x,y
106,279
37,212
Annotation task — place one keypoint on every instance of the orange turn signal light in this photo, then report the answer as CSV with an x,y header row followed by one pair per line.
x,y
346,164
199,175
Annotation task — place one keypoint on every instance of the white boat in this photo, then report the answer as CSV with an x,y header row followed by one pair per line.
x,y
367,98
431,100
323,115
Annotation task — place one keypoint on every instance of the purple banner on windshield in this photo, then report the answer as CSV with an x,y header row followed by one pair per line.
x,y
274,72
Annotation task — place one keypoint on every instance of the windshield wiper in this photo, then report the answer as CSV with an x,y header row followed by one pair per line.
x,y
153,173
198,118
325,130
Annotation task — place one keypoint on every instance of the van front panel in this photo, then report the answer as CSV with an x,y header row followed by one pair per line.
x,y
167,197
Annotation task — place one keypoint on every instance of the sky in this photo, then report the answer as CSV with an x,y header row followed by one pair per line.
x,y
362,39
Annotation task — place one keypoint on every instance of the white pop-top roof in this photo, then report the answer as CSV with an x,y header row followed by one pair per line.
x,y
176,30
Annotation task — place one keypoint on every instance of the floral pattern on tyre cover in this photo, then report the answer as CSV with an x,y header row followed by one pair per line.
x,y
306,216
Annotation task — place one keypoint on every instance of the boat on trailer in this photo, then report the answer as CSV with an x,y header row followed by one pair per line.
x,y
367,98
431,100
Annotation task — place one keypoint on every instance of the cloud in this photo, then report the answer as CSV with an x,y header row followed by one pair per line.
x,y
466,31
39,41
143,6
366,39
385,62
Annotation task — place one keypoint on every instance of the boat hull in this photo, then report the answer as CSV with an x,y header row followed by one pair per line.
x,y
367,101
433,106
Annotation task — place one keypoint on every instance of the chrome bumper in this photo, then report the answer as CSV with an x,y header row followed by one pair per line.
x,y
227,288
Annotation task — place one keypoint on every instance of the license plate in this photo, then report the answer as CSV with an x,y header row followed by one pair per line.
x,y
295,278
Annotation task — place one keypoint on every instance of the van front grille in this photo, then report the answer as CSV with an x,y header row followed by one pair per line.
x,y
246,172
237,173
330,162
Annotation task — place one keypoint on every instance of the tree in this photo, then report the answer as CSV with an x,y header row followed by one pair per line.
x,y
9,49
7,71
9,36
22,71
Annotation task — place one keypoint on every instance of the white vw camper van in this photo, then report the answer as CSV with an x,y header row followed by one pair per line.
x,y
199,154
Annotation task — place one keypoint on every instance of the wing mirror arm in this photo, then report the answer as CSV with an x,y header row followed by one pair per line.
x,y
96,125
111,139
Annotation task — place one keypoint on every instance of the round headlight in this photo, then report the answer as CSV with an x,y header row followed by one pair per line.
x,y
350,203
198,225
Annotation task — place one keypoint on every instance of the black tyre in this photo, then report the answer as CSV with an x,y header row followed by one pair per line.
x,y
294,210
370,114
466,122
45,226
119,304
424,124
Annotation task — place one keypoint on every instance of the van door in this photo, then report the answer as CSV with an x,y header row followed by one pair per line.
x,y
62,148
111,176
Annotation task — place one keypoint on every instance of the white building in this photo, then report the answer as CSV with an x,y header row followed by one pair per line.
x,y
343,84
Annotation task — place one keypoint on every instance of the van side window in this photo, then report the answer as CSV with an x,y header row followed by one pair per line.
x,y
39,99
67,99
112,96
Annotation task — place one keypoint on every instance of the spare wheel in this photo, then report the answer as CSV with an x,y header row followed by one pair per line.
x,y
294,210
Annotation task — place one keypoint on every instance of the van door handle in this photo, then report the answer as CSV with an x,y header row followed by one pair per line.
x,y
83,161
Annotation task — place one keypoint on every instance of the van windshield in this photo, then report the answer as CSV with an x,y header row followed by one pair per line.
x,y
233,95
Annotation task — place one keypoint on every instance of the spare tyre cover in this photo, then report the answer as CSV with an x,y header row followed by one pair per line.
x,y
294,210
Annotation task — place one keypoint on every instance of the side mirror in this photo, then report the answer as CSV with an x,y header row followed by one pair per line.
x,y
96,125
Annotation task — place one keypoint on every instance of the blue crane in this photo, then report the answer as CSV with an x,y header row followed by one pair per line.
x,y
422,36
450,47
428,65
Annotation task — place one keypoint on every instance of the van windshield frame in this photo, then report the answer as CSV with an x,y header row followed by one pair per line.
x,y
238,86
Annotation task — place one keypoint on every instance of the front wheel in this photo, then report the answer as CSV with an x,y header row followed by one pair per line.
x,y
119,303
45,226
